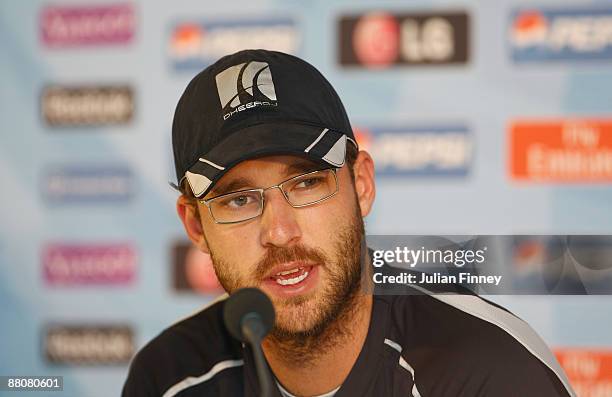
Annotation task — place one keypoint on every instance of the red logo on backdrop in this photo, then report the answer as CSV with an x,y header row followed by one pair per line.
x,y
530,27
589,371
193,270
363,138
186,40
74,264
561,151
87,25
200,272
376,39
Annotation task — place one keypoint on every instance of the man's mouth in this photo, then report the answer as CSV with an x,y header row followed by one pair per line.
x,y
292,276
290,279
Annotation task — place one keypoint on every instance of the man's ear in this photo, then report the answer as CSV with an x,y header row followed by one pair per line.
x,y
187,211
365,187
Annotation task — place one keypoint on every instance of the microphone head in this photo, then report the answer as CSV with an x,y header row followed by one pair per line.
x,y
243,302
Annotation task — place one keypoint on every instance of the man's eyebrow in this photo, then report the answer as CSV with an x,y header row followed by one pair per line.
x,y
240,183
234,185
300,167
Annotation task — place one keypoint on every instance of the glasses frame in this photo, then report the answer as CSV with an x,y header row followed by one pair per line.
x,y
261,191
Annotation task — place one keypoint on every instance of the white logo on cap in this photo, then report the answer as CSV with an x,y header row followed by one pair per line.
x,y
245,86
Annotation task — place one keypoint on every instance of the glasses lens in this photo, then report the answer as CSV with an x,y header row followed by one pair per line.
x,y
236,207
310,188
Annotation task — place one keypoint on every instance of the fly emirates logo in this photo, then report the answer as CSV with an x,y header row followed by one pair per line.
x,y
561,151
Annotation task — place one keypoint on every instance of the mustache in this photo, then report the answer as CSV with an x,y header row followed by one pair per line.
x,y
277,255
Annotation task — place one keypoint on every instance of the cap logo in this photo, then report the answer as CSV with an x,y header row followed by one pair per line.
x,y
245,86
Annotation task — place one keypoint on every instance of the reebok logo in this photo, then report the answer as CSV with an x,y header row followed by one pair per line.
x,y
88,344
245,86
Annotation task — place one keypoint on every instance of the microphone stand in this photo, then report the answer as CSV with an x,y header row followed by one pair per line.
x,y
253,331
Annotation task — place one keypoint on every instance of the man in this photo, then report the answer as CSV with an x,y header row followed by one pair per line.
x,y
275,190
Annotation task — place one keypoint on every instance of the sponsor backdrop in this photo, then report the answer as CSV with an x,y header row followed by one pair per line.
x,y
483,117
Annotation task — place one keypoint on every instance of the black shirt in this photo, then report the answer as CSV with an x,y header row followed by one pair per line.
x,y
427,345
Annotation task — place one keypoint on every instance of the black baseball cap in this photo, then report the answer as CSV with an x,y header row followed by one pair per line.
x,y
251,104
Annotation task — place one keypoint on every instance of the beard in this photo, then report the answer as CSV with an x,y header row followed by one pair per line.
x,y
306,325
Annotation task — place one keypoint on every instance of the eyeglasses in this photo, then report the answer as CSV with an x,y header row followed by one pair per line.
x,y
299,191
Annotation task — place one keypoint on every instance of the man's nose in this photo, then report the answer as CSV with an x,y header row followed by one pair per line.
x,y
279,226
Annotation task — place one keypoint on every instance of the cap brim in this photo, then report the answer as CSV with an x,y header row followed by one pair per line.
x,y
319,144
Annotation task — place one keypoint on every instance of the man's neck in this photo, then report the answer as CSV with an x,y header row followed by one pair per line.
x,y
336,353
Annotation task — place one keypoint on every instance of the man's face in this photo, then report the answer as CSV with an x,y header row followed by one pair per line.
x,y
305,259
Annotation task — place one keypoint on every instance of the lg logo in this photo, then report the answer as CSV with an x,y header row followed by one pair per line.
x,y
432,40
377,40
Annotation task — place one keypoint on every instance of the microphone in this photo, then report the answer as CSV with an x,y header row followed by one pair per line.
x,y
248,316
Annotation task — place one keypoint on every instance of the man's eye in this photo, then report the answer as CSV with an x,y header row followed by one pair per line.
x,y
239,201
309,182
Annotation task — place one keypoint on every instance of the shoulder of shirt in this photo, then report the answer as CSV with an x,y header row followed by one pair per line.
x,y
191,347
473,332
